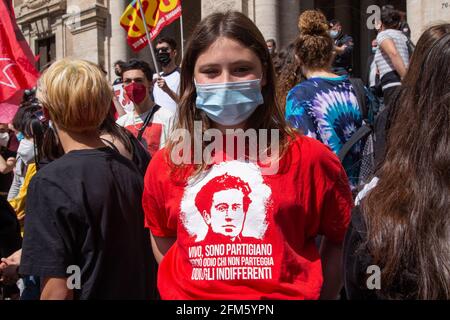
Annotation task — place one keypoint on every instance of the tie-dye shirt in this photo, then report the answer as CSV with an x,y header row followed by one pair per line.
x,y
327,109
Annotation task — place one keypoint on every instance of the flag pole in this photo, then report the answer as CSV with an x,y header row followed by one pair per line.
x,y
182,33
148,38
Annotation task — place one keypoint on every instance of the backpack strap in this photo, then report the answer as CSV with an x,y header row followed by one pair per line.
x,y
110,144
362,132
147,120
360,93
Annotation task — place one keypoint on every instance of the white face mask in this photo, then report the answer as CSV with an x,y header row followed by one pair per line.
x,y
26,151
4,139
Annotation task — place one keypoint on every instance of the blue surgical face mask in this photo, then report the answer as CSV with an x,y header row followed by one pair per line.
x,y
374,50
334,34
230,103
20,136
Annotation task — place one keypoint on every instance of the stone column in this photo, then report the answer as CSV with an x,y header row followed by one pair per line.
x,y
415,16
288,17
366,37
118,47
422,14
266,18
60,39
88,35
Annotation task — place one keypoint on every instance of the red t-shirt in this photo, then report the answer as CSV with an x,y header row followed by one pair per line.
x,y
244,235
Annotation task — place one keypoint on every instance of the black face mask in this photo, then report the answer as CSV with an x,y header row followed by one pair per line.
x,y
163,58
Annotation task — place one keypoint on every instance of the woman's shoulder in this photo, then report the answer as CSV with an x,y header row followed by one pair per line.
x,y
301,87
302,92
389,34
313,153
160,160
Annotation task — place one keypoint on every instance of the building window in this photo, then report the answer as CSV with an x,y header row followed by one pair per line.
x,y
46,50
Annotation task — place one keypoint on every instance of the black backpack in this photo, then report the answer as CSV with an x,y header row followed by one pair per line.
x,y
10,237
369,106
411,47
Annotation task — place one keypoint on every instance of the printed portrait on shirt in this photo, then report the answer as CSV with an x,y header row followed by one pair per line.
x,y
223,203
229,202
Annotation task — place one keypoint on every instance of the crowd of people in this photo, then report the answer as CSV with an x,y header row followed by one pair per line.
x,y
94,191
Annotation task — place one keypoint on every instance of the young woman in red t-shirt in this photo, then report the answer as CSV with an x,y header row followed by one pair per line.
x,y
229,227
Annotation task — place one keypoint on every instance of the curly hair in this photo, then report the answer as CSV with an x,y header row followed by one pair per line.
x,y
289,74
314,46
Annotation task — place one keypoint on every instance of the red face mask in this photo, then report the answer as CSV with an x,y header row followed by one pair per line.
x,y
136,92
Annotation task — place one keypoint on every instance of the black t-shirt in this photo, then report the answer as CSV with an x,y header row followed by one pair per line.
x,y
6,179
85,209
10,239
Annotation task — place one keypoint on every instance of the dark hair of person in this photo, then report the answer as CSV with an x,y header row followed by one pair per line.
x,y
314,46
119,63
390,18
135,64
289,75
51,149
278,61
334,22
272,41
236,26
170,41
407,213
27,121
110,126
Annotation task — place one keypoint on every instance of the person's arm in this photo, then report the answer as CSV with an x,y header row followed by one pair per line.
x,y
6,166
53,221
55,289
388,46
340,50
335,217
160,246
118,106
9,268
164,87
331,255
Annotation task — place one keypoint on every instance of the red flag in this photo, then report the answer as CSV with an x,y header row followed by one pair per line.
x,y
158,14
17,70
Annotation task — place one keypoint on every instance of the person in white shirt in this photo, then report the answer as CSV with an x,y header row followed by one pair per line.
x,y
392,56
149,122
167,84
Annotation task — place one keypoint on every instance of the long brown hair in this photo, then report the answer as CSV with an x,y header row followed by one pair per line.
x,y
236,26
407,213
290,75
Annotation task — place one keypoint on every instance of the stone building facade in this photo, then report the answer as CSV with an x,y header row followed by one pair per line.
x,y
90,29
